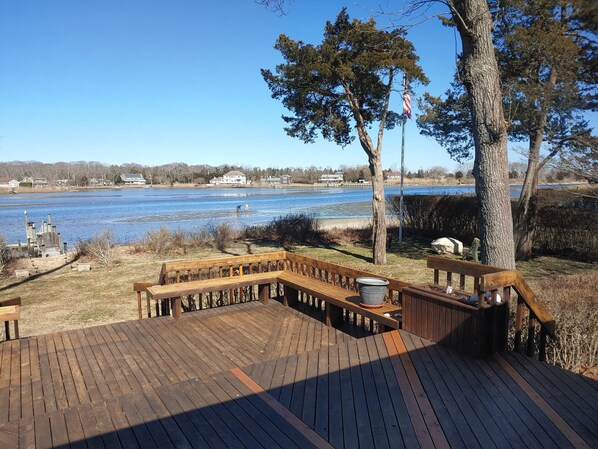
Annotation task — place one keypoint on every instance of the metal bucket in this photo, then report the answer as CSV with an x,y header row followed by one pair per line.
x,y
372,291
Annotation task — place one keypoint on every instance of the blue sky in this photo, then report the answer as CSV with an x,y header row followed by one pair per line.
x,y
159,81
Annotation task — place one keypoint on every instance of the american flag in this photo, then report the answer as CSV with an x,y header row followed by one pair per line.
x,y
407,104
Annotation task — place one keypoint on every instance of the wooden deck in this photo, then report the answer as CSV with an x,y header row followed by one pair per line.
x,y
253,375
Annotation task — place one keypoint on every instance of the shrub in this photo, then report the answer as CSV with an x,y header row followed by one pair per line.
x,y
294,228
178,241
157,242
291,228
222,235
4,254
567,224
163,241
439,215
100,248
572,301
198,238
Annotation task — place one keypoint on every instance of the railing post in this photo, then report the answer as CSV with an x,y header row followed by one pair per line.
x,y
531,334
263,293
177,308
139,304
542,350
518,324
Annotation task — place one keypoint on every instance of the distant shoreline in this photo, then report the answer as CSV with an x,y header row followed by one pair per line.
x,y
408,183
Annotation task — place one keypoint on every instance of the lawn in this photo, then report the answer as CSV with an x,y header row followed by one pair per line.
x,y
65,298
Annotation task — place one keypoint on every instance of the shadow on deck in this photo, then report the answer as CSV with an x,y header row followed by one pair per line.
x,y
253,375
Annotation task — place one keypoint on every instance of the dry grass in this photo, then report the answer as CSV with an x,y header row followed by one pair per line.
x,y
572,300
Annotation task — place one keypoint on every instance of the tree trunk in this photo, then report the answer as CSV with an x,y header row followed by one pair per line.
x,y
481,78
378,210
527,206
375,164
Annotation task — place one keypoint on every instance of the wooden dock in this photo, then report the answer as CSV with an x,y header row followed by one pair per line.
x,y
257,375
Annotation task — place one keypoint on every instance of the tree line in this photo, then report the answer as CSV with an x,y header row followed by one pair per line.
x,y
81,173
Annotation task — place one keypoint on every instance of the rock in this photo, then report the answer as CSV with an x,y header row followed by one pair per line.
x,y
22,273
84,267
447,245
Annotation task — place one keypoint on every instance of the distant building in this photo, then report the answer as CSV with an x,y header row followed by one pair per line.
x,y
286,179
9,183
217,180
272,180
94,182
328,178
130,179
40,182
62,182
392,177
234,177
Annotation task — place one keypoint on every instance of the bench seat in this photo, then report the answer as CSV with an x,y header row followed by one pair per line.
x,y
177,290
335,297
339,298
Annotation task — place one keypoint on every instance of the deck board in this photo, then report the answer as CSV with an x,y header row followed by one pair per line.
x,y
162,383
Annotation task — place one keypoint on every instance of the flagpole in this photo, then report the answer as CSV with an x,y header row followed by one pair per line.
x,y
401,207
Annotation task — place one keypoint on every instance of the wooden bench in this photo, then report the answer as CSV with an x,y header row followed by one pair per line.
x,y
175,292
336,299
10,310
329,285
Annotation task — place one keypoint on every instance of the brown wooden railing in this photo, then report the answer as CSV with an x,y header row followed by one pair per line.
x,y
188,270
526,301
226,267
504,282
223,267
340,276
463,276
10,310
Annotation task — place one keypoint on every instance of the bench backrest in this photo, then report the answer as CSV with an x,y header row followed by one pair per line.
x,y
188,270
339,275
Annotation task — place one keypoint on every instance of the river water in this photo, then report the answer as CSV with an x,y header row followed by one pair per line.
x,y
131,213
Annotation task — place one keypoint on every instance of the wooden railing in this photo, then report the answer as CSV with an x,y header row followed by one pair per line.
x,y
526,301
340,276
226,267
188,270
486,281
10,310
497,281
192,270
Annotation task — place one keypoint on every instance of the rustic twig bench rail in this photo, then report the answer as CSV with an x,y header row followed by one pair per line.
x,y
478,327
